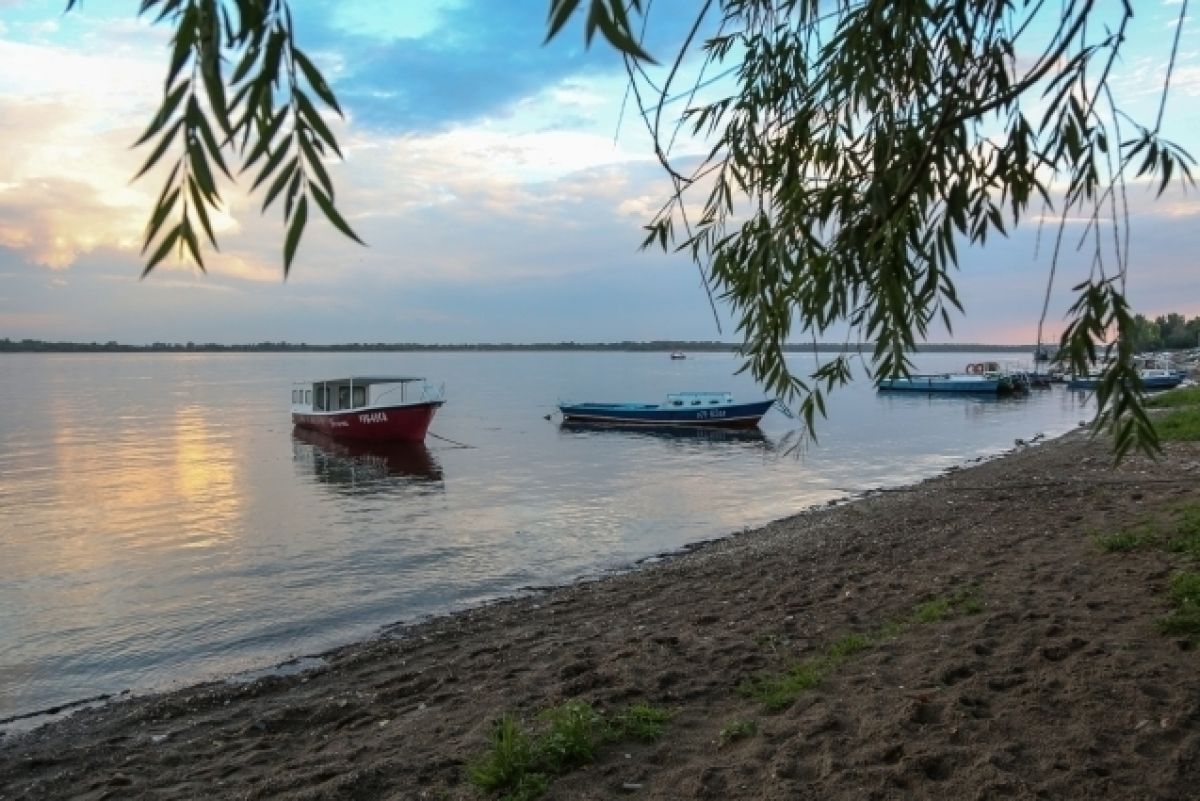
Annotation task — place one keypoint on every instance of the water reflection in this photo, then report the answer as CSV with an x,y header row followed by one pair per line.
x,y
359,467
688,434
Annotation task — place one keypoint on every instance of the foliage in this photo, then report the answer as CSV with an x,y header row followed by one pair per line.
x,y
864,142
1170,332
236,85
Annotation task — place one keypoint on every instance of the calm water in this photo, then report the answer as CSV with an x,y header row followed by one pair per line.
x,y
161,523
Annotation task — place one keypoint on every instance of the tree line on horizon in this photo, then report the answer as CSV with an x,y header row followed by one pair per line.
x,y
1166,332
43,346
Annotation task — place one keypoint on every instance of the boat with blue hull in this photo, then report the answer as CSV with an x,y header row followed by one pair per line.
x,y
716,409
944,382
1153,380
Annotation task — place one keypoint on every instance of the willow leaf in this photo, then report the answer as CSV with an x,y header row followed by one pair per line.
x,y
331,214
293,234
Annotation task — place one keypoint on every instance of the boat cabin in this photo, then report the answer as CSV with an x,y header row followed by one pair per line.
x,y
359,392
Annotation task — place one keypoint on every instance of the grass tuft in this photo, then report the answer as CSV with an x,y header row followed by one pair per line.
x,y
509,763
641,722
933,611
521,765
777,691
1134,539
1187,533
1184,396
1184,619
1182,425
737,730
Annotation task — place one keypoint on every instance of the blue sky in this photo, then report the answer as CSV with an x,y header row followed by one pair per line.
x,y
483,169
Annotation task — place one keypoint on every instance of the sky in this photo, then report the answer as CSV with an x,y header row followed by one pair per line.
x,y
499,185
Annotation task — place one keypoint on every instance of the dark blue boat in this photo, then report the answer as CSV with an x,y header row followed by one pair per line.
x,y
1153,379
681,409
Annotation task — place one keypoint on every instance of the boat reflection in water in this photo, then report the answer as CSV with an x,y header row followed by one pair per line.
x,y
365,466
676,433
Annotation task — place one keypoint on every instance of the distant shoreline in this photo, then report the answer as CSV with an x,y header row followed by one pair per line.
x,y
39,346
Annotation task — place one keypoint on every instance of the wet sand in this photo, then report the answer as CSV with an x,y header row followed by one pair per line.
x,y
1057,684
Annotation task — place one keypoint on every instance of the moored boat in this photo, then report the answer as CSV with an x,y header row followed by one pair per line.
x,y
942,382
989,378
683,408
1152,379
375,408
678,355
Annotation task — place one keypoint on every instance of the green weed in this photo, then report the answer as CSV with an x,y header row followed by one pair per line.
x,y
1187,533
1184,619
1185,396
932,611
641,722
1133,539
737,730
521,764
509,764
1182,425
778,691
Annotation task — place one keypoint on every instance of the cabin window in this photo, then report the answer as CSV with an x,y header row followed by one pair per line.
x,y
360,396
308,396
677,403
714,402
695,403
343,397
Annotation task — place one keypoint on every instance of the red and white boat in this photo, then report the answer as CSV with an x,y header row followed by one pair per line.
x,y
376,408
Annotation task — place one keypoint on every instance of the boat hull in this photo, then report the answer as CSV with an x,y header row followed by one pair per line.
x,y
943,383
1151,384
406,423
739,415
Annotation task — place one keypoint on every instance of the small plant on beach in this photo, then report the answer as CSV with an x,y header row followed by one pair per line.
x,y
1134,539
510,765
641,722
1184,619
933,611
1183,396
772,642
777,691
1186,539
576,731
522,764
737,730
963,602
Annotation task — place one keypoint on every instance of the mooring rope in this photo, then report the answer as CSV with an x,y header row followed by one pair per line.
x,y
451,441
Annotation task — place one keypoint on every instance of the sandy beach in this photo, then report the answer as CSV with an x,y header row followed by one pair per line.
x,y
999,652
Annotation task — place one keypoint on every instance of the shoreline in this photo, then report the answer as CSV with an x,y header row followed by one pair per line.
x,y
977,705
19,724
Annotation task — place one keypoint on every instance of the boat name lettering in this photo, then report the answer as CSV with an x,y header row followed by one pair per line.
x,y
373,417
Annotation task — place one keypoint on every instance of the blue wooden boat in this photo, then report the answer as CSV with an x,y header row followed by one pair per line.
x,y
681,409
1153,379
946,382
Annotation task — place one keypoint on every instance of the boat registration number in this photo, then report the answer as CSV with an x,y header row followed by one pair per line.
x,y
373,417
707,413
